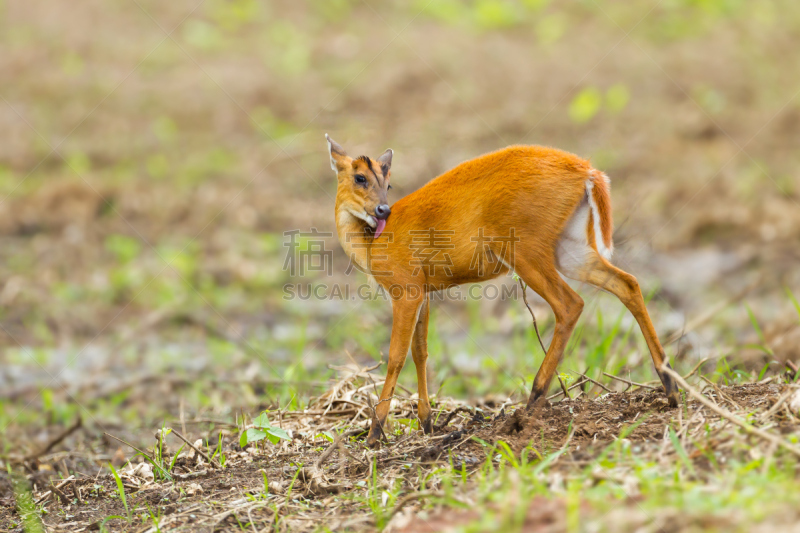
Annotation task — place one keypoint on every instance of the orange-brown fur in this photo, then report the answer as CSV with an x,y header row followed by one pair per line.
x,y
531,190
602,198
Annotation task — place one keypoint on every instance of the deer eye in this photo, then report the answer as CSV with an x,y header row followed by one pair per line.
x,y
360,179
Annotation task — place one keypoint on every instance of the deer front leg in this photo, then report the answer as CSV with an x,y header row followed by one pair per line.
x,y
419,351
404,316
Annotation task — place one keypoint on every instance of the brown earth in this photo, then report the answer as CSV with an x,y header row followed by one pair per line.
x,y
303,470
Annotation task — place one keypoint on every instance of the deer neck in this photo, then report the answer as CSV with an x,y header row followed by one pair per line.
x,y
355,241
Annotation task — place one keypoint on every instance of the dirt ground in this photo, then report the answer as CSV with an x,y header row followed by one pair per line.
x,y
307,481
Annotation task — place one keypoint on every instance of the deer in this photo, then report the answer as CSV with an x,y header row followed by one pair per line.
x,y
539,212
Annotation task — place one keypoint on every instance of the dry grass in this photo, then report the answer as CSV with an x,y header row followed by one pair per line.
x,y
324,477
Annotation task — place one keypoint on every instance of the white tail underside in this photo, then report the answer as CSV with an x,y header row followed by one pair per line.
x,y
574,250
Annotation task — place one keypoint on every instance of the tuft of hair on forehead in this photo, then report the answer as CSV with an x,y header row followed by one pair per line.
x,y
366,160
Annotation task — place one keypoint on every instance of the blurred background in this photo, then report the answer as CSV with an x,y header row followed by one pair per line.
x,y
153,154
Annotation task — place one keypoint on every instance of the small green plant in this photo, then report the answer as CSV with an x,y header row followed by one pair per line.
x,y
155,518
291,484
103,527
162,465
121,493
218,452
794,302
26,506
585,105
684,457
262,430
374,499
763,346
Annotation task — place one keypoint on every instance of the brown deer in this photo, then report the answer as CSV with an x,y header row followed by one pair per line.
x,y
553,209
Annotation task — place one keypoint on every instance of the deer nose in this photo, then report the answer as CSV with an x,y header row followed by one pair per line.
x,y
382,211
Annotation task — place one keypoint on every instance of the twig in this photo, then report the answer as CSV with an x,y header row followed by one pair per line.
x,y
696,368
321,412
629,382
222,516
61,496
727,414
315,478
535,326
574,385
789,412
721,394
126,443
563,388
583,376
774,409
207,421
55,441
598,384
76,491
374,412
327,453
408,498
198,450
190,475
449,417
57,487
343,450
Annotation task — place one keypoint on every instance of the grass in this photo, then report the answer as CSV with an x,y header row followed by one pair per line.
x,y
121,494
27,510
736,494
462,365
702,474
162,465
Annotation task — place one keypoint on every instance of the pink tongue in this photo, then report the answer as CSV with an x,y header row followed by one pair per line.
x,y
379,229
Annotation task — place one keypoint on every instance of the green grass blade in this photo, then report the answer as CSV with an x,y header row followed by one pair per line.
x,y
758,330
26,505
681,451
121,491
175,458
794,301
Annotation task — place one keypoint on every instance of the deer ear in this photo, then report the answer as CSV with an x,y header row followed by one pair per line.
x,y
337,154
385,160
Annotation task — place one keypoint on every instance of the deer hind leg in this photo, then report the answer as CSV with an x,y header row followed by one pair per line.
x,y
419,351
567,306
583,263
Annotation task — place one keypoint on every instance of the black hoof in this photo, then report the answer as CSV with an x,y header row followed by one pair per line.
x,y
427,425
534,399
374,437
670,388
673,399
